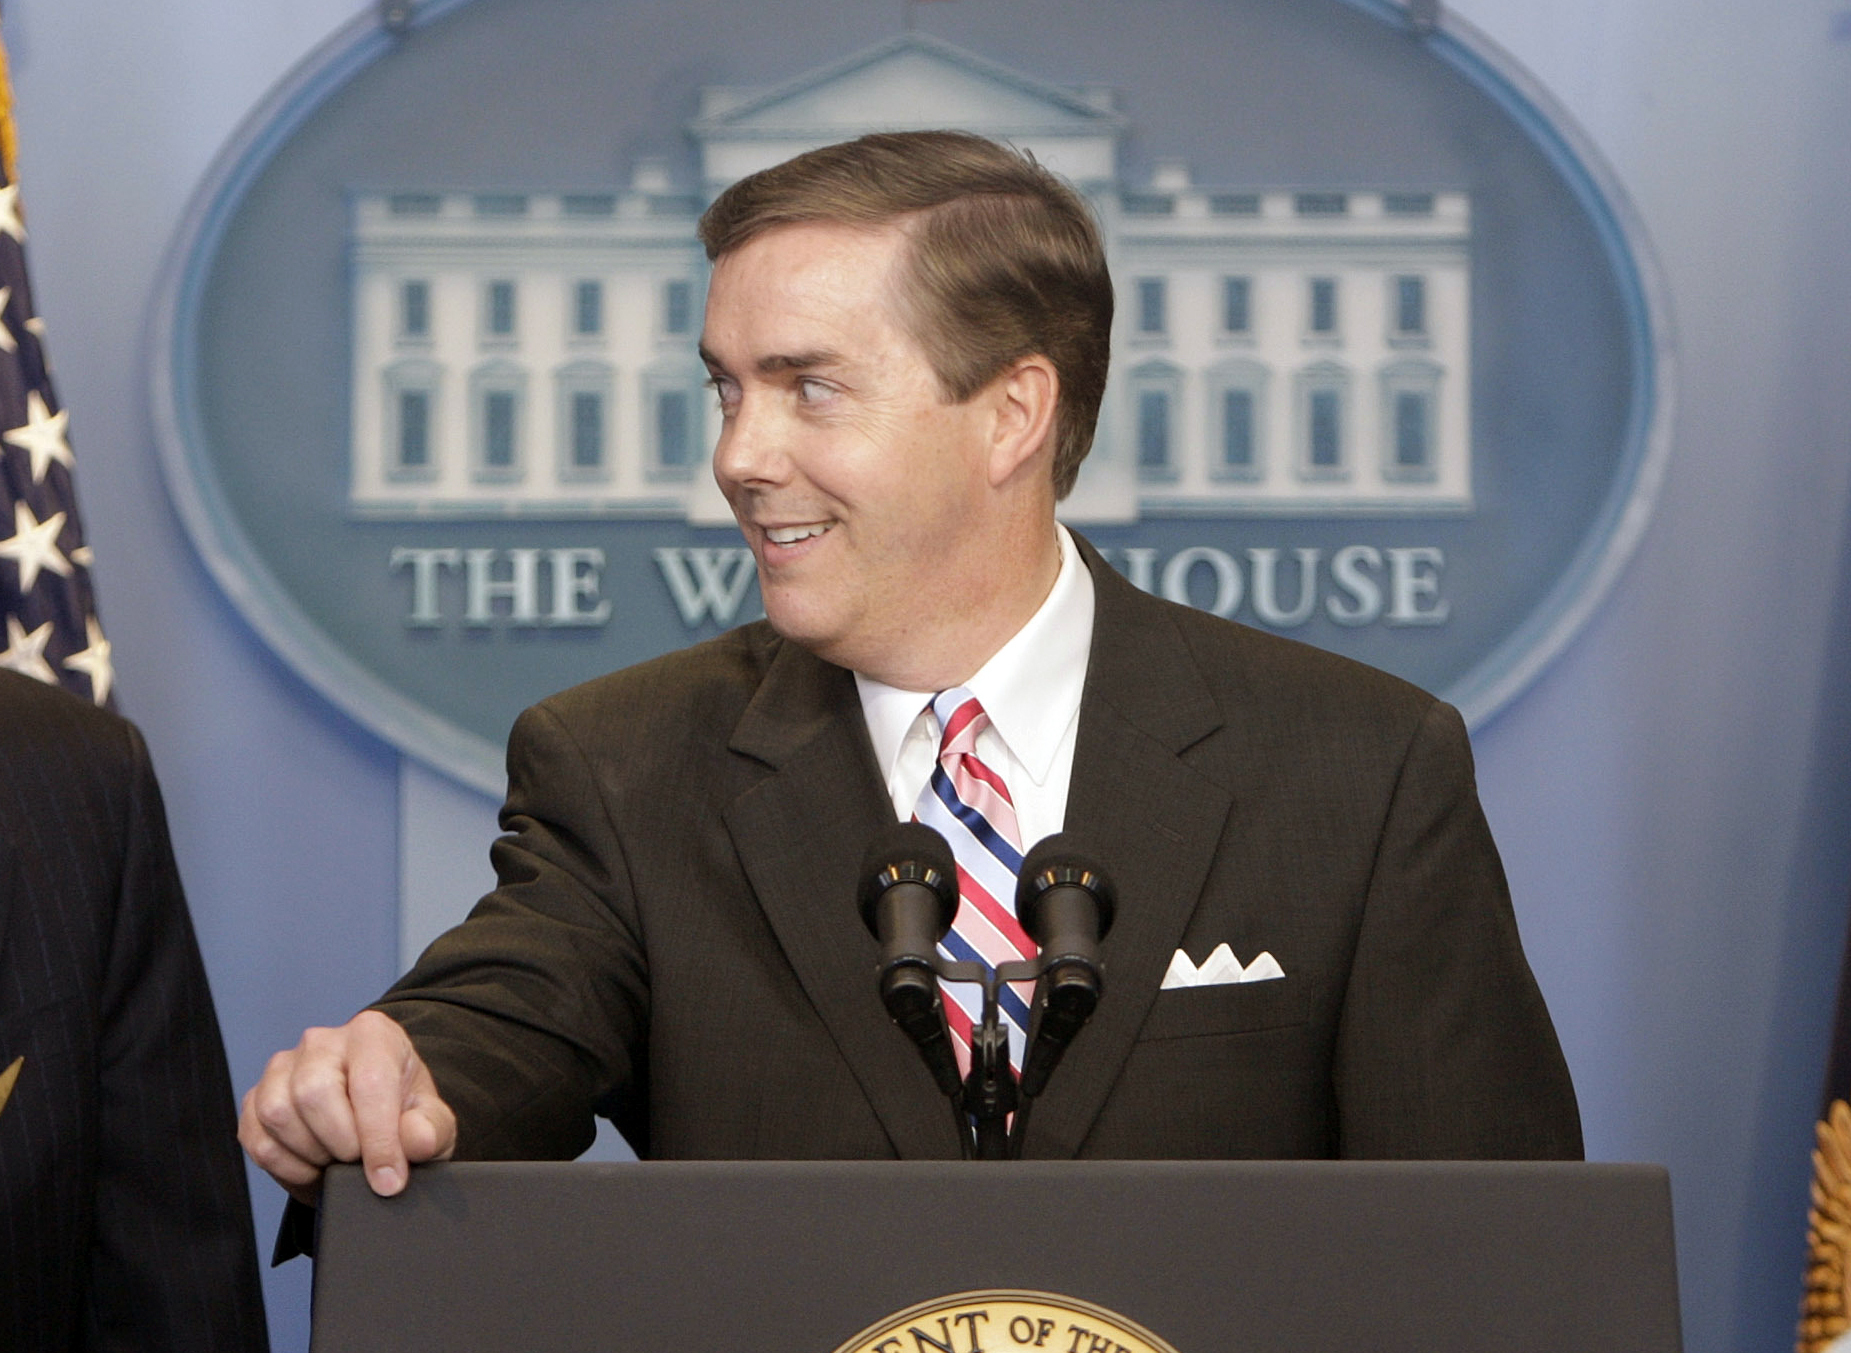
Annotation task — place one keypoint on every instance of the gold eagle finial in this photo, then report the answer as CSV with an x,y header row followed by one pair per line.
x,y
8,145
7,1078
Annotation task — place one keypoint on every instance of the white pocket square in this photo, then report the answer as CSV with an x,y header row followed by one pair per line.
x,y
1219,969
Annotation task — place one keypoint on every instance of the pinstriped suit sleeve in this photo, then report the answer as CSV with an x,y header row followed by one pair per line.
x,y
124,1217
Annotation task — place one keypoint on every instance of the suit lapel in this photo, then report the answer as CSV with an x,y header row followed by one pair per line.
x,y
1150,819
801,832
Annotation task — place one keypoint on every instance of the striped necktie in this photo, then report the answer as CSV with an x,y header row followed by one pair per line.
x,y
970,807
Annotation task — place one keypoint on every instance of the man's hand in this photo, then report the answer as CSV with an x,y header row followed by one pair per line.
x,y
359,1092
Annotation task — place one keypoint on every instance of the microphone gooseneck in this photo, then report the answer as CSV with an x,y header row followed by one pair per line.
x,y
1066,904
909,895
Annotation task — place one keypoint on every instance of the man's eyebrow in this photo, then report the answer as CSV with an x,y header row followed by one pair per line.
x,y
771,366
796,361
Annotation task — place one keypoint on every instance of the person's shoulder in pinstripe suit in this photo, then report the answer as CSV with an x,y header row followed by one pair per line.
x,y
124,1217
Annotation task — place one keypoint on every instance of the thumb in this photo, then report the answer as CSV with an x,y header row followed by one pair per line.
x,y
427,1128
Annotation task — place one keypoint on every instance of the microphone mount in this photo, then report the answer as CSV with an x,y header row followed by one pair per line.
x,y
1065,903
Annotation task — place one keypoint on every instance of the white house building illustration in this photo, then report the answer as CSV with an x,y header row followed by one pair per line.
x,y
1286,350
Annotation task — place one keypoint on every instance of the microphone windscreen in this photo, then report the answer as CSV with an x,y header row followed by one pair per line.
x,y
909,852
1056,861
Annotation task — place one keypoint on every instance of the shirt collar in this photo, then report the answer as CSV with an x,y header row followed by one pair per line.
x,y
1030,688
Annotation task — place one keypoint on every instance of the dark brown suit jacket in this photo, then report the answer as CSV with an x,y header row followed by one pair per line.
x,y
124,1220
675,940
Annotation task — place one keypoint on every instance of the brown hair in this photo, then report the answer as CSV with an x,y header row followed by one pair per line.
x,y
1005,258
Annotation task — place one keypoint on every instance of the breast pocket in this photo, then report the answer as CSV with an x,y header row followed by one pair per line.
x,y
1230,1008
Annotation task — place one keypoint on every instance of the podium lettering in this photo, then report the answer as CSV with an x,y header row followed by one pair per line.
x,y
1095,1343
1033,1332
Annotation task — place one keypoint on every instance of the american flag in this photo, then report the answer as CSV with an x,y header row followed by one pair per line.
x,y
47,604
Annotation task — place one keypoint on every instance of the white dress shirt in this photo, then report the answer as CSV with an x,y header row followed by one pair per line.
x,y
1031,691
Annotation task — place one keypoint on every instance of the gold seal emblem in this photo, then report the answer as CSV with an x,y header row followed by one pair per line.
x,y
1005,1321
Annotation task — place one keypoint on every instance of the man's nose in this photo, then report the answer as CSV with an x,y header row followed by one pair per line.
x,y
750,451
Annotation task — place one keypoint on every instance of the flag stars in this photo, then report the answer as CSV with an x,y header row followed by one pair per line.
x,y
43,437
34,546
94,661
25,653
10,222
48,626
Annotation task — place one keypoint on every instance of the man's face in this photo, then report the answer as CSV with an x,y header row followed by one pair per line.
x,y
864,495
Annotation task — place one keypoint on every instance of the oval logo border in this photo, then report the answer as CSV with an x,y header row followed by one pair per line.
x,y
1513,663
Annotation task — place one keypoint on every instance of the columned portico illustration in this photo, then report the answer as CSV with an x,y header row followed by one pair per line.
x,y
1278,351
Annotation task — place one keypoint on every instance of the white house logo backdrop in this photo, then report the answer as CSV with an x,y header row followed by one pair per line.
x,y
1388,373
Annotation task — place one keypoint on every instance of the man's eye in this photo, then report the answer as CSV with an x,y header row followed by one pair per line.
x,y
724,391
811,391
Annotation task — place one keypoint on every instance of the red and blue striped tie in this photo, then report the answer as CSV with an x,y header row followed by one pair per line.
x,y
969,805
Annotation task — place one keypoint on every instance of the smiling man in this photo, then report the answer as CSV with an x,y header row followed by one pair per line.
x,y
898,533
908,335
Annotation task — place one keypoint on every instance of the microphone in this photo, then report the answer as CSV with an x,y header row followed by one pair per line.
x,y
1065,902
909,895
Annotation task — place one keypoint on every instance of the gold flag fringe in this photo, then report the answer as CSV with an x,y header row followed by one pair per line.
x,y
1825,1310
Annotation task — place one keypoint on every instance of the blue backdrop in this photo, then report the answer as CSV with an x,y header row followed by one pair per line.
x,y
1673,797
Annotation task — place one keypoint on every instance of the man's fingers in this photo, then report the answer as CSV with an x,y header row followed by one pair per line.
x,y
384,1074
272,1120
317,1100
276,1149
301,1177
359,1092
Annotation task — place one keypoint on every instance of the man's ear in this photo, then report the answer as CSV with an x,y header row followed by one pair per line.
x,y
1025,397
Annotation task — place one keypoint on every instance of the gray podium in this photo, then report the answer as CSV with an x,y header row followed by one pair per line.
x,y
797,1257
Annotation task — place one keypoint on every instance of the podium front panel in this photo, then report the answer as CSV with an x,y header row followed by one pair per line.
x,y
797,1257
